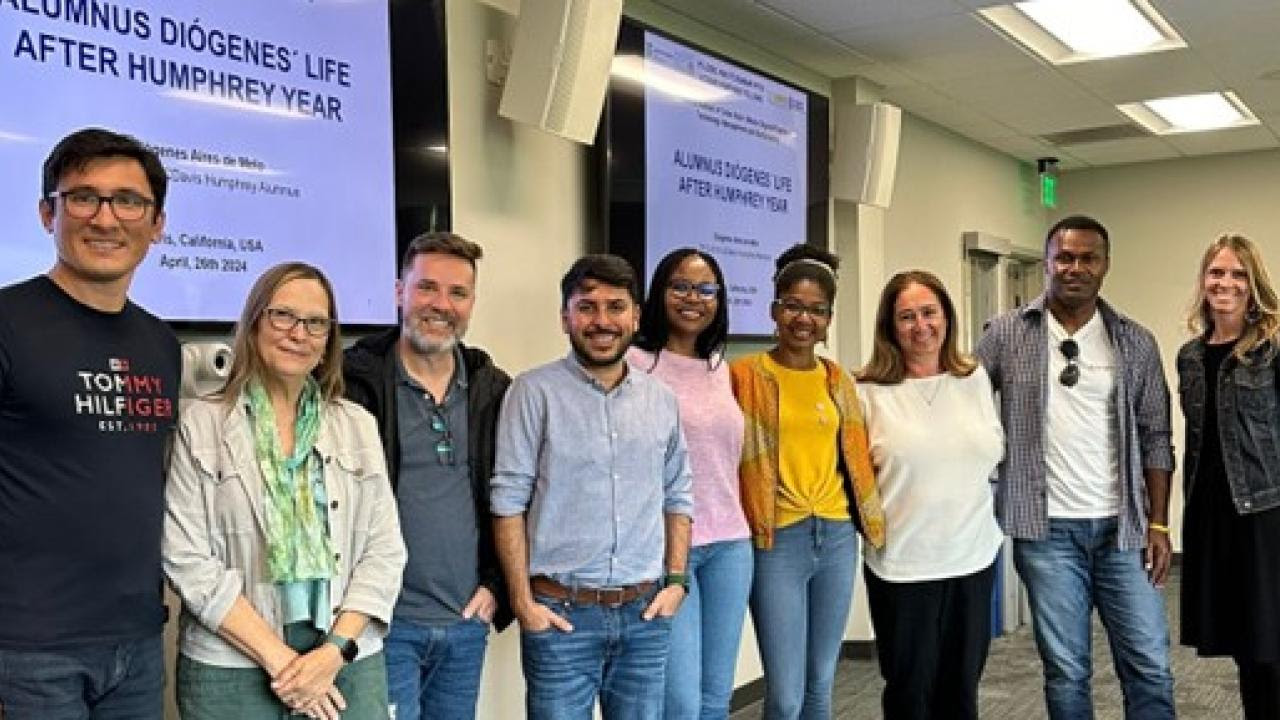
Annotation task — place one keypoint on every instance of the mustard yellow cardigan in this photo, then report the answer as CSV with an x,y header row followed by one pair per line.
x,y
757,391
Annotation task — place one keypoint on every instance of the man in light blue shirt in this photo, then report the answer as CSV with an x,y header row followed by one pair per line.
x,y
592,497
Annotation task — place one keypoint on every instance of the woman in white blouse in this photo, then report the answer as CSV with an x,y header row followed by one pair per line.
x,y
935,439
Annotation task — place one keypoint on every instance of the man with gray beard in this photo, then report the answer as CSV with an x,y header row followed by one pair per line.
x,y
437,402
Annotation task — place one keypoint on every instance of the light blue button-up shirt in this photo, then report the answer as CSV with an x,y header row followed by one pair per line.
x,y
595,470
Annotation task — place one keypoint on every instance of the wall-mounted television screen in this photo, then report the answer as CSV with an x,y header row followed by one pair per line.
x,y
273,120
700,151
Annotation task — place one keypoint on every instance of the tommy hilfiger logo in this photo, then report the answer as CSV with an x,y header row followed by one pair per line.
x,y
122,401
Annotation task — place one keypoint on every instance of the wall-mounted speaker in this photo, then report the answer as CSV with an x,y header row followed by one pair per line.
x,y
866,152
560,65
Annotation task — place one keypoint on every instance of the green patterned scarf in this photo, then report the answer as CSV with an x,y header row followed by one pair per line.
x,y
298,545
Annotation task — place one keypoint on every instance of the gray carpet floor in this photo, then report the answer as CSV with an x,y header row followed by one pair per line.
x,y
1012,684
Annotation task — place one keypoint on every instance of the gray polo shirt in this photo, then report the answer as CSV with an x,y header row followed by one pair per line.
x,y
437,509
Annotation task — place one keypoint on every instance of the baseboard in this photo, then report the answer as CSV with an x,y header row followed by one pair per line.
x,y
745,695
753,691
858,650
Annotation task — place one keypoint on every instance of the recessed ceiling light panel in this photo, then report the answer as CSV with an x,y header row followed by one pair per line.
x,y
1190,113
1072,31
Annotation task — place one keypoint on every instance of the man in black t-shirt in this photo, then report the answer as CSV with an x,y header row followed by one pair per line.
x,y
88,395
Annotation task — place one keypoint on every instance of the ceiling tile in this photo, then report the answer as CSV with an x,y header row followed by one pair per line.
x,y
1116,152
941,47
1023,148
836,15
823,54
1260,96
1221,21
1034,102
1143,77
1247,58
742,18
945,111
1224,141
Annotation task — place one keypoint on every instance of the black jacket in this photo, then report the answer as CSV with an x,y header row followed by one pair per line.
x,y
370,371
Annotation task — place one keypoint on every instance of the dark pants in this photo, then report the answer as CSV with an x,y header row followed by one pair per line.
x,y
123,681
1259,689
932,638
210,692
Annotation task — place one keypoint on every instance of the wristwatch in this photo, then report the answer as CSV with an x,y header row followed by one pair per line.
x,y
674,578
345,645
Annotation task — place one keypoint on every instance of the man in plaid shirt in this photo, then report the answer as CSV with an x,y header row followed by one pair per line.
x,y
1084,486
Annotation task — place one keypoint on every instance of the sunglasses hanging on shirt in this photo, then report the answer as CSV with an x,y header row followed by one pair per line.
x,y
1070,374
444,446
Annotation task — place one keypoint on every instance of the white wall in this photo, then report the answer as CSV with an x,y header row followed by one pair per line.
x,y
946,185
1161,216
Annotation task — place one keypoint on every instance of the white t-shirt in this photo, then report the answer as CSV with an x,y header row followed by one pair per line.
x,y
934,442
1080,425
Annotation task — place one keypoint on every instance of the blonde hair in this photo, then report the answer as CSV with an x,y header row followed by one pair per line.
x,y
247,359
887,366
1262,318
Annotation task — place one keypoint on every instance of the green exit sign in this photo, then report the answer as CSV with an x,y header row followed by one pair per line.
x,y
1048,190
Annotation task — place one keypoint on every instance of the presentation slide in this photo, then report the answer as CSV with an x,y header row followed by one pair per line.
x,y
272,118
725,170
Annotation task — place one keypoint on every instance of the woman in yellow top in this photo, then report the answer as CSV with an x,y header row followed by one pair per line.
x,y
807,489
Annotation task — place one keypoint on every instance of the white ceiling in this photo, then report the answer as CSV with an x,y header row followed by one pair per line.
x,y
941,61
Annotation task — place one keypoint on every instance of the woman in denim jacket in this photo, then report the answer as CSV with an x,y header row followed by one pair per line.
x,y
1227,380
281,534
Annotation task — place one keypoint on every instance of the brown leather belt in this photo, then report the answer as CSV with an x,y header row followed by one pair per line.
x,y
609,597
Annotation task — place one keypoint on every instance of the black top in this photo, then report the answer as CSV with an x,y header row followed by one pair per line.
x,y
1231,569
87,405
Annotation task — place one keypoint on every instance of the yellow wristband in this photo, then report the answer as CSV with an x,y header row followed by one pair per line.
x,y
1158,527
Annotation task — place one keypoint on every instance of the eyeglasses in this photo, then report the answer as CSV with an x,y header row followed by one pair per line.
x,y
1070,374
444,446
84,204
286,320
684,288
793,309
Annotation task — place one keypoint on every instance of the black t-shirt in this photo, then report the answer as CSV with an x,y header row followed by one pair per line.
x,y
87,407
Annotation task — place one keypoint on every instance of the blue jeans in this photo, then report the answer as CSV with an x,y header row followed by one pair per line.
x,y
122,681
1075,569
705,634
612,654
434,672
800,602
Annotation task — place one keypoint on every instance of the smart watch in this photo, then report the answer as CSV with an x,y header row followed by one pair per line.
x,y
674,578
345,645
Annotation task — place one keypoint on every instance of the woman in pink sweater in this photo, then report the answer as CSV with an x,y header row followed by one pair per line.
x,y
682,334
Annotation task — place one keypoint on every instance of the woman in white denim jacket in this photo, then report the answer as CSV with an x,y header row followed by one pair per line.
x,y
282,535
